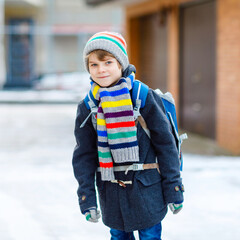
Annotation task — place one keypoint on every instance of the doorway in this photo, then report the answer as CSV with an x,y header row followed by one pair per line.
x,y
197,68
153,50
20,53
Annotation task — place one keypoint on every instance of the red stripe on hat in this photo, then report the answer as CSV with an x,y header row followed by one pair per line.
x,y
111,35
116,38
106,165
120,124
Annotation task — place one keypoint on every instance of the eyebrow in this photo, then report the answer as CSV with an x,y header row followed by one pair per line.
x,y
107,58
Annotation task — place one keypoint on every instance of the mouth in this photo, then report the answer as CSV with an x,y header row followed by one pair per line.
x,y
103,77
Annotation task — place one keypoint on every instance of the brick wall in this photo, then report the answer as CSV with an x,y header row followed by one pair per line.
x,y
228,74
173,55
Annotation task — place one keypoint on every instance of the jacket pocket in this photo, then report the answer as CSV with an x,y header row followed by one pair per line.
x,y
149,177
150,188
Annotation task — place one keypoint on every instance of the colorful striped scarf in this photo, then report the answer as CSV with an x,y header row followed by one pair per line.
x,y
116,130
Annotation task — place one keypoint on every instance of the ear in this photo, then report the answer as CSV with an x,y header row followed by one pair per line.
x,y
129,70
119,65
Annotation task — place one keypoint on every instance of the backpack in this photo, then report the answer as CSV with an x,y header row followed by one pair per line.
x,y
139,96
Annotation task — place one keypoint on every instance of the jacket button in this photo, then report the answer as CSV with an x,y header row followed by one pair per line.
x,y
177,188
182,188
83,198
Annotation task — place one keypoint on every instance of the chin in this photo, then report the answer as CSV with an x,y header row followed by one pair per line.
x,y
104,84
108,84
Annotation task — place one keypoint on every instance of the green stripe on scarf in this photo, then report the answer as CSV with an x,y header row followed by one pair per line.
x,y
121,135
104,154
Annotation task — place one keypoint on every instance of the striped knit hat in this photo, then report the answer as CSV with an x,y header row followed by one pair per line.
x,y
111,42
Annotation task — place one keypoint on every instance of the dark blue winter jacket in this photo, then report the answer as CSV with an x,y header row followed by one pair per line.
x,y
143,203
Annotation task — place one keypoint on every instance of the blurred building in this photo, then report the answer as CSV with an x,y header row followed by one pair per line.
x,y
48,36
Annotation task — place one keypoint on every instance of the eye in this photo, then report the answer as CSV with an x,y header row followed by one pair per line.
x,y
108,62
93,65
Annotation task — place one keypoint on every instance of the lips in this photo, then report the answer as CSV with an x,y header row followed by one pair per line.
x,y
103,77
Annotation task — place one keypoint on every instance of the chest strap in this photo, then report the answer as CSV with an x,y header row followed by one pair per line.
x,y
134,167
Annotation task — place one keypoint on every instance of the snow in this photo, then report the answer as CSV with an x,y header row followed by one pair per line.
x,y
212,200
38,191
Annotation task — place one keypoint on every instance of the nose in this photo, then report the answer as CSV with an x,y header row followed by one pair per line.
x,y
101,68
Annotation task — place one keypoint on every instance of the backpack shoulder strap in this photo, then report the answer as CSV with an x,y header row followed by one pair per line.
x,y
139,95
90,101
139,92
92,105
169,105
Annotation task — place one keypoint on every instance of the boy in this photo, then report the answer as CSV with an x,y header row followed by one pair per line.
x,y
130,199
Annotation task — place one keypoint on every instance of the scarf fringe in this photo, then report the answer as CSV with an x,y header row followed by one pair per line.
x,y
107,174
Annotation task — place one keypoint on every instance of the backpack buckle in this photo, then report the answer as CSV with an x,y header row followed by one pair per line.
x,y
134,167
93,107
136,109
137,166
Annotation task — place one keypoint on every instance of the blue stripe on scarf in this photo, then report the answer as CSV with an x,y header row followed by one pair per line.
x,y
102,133
123,145
114,93
103,144
121,80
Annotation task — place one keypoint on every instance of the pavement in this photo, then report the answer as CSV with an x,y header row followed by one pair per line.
x,y
196,144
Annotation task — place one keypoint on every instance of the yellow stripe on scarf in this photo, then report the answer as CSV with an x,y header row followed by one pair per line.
x,y
119,103
101,122
95,90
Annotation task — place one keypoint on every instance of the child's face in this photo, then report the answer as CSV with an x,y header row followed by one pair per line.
x,y
105,73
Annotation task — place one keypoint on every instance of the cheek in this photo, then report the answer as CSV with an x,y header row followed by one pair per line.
x,y
92,72
120,73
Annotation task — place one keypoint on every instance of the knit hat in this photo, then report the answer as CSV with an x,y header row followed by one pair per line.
x,y
111,42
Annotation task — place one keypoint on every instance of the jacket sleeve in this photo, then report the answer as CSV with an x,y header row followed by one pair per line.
x,y
165,147
84,159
